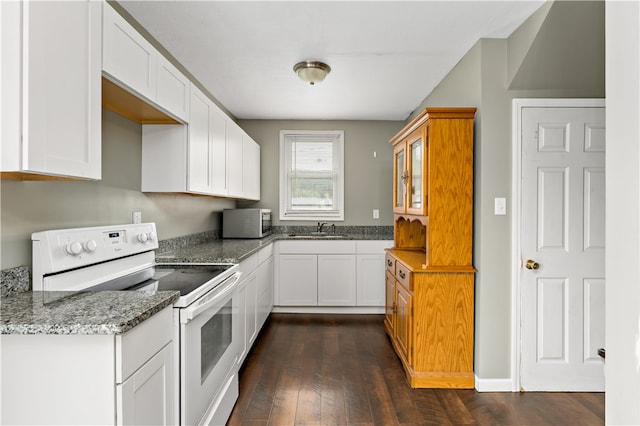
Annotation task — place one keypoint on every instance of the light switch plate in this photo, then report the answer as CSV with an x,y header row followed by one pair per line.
x,y
500,208
376,214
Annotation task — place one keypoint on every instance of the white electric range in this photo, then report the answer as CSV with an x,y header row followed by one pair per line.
x,y
122,258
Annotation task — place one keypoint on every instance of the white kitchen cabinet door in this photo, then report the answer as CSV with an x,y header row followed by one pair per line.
x,y
128,58
242,338
234,159
252,308
250,168
370,289
59,45
173,89
146,398
265,291
219,178
200,149
298,283
336,280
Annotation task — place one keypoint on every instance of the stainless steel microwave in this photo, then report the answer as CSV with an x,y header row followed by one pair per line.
x,y
246,223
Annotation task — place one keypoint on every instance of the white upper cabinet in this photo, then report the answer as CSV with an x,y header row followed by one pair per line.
x,y
199,145
204,157
51,95
219,177
128,57
251,168
209,155
133,63
234,158
173,91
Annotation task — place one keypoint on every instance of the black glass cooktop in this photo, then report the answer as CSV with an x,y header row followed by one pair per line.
x,y
184,278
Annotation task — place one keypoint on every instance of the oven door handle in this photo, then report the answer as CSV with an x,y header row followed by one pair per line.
x,y
226,287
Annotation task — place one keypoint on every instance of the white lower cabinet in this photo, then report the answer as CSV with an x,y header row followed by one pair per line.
x,y
311,273
370,258
336,280
90,379
143,398
298,281
255,296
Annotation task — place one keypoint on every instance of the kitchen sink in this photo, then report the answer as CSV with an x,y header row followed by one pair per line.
x,y
316,235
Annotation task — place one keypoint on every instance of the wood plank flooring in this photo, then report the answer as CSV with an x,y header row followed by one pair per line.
x,y
311,369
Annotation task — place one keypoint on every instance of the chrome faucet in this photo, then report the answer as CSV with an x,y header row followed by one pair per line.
x,y
320,225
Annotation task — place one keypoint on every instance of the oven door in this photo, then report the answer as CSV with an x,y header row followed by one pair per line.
x,y
209,342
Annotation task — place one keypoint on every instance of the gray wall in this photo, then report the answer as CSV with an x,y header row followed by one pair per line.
x,y
368,181
483,79
29,206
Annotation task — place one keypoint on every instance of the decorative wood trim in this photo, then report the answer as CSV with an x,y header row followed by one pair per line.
x,y
434,113
36,176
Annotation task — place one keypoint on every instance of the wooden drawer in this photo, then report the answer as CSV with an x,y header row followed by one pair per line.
x,y
403,275
390,264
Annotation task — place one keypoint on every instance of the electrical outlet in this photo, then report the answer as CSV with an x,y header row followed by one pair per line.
x,y
376,214
500,206
137,217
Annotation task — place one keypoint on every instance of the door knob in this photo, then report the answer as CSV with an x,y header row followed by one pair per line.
x,y
532,264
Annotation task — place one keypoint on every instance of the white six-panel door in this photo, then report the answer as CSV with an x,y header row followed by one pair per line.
x,y
562,230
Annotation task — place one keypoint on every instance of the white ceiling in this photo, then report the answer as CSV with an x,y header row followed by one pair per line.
x,y
386,56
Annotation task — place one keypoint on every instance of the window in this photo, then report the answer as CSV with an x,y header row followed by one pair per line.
x,y
311,175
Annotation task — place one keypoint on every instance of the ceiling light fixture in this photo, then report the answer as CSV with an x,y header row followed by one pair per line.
x,y
312,71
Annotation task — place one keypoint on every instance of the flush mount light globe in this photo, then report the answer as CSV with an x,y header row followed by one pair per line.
x,y
312,71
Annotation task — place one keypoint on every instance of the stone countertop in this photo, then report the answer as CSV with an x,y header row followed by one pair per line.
x,y
116,312
102,312
236,250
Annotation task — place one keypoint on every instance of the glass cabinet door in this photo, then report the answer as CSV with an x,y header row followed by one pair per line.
x,y
416,174
417,179
399,178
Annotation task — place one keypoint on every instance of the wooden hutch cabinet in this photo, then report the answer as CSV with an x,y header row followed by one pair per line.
x,y
429,314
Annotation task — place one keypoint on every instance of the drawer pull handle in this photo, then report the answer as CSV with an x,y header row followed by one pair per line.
x,y
402,275
389,263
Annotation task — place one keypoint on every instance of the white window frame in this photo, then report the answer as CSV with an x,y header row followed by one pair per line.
x,y
286,213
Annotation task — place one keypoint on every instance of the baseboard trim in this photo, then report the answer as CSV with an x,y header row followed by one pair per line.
x,y
493,385
329,309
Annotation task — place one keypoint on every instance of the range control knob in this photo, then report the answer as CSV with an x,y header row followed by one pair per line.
x,y
143,237
73,248
90,246
152,236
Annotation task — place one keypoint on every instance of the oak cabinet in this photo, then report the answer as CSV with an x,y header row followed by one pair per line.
x,y
404,321
429,278
51,119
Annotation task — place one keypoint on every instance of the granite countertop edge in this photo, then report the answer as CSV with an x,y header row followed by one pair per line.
x,y
87,313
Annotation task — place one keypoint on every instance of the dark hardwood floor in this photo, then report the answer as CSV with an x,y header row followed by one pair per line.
x,y
341,370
